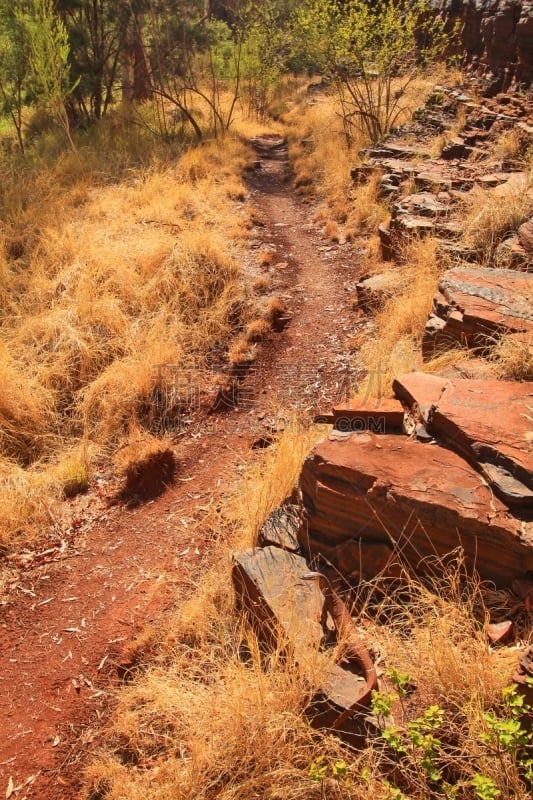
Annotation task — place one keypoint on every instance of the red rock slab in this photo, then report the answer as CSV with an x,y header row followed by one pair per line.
x,y
384,415
478,305
488,422
419,392
285,611
422,500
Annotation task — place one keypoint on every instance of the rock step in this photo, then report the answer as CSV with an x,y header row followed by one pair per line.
x,y
488,422
421,501
475,306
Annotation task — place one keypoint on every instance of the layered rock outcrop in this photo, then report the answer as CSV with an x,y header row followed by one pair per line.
x,y
495,34
475,306
375,500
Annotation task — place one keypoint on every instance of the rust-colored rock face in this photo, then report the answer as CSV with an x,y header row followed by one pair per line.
x,y
498,34
488,422
411,501
475,305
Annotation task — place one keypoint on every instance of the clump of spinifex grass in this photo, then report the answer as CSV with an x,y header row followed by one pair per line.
x,y
493,214
395,346
513,358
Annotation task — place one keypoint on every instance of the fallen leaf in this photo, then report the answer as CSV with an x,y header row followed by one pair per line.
x,y
10,788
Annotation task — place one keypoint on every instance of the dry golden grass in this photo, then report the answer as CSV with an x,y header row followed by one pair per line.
x,y
331,231
491,215
261,285
104,282
242,351
266,257
320,158
395,346
367,211
257,330
513,358
28,500
274,308
270,482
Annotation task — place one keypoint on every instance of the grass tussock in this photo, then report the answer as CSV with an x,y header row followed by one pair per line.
x,y
491,215
271,482
395,347
513,358
321,161
146,464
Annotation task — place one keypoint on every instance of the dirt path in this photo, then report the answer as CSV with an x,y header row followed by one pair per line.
x,y
70,608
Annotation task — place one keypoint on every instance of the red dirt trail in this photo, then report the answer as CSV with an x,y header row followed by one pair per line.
x,y
105,571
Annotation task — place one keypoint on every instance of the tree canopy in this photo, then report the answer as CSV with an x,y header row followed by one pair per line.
x,y
79,58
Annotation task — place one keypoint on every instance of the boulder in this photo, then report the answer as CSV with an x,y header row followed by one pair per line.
x,y
456,148
474,307
525,235
417,501
374,290
488,422
423,204
284,609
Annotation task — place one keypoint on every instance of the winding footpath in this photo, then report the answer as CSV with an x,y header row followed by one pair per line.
x,y
105,572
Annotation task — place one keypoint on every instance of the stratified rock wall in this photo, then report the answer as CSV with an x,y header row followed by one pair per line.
x,y
497,34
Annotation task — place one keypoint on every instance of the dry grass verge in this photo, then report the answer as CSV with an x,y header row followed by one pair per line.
x,y
113,290
395,346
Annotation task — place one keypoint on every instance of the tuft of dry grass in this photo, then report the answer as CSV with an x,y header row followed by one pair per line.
x,y
257,330
513,357
331,231
367,211
491,215
321,163
147,465
242,352
395,346
266,257
270,482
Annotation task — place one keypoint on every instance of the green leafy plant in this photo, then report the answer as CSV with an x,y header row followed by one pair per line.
x,y
372,51
506,742
321,768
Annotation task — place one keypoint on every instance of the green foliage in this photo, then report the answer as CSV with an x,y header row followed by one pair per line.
x,y
504,748
265,46
321,769
14,65
372,51
484,787
49,51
